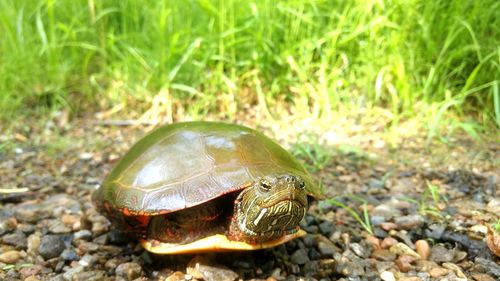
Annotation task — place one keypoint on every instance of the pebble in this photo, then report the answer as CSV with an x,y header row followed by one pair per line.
x,y
68,275
387,276
373,241
439,254
385,211
88,260
129,270
199,268
410,221
488,266
481,277
388,242
326,248
383,255
435,231
33,243
93,275
423,249
10,257
404,262
403,249
411,278
51,246
7,225
361,251
83,234
176,276
26,228
69,254
326,228
387,226
437,272
17,239
455,268
58,227
32,212
300,257
25,272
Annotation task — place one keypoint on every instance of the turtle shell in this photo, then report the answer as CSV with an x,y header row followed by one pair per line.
x,y
186,164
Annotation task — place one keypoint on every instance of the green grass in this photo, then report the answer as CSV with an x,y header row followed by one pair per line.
x,y
365,220
437,60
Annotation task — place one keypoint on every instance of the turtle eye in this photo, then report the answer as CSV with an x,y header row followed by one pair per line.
x,y
302,185
265,186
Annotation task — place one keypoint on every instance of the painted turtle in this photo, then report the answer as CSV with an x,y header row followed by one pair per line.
x,y
207,186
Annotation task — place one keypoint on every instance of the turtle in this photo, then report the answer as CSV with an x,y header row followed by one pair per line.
x,y
202,186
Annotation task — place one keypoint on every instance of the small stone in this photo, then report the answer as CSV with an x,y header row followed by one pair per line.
x,y
404,262
129,270
488,266
425,265
32,212
51,246
455,268
388,226
26,228
326,228
33,243
90,260
326,248
383,255
385,211
299,257
459,256
69,219
435,231
361,251
410,278
102,239
403,249
83,234
482,277
58,227
93,275
374,241
387,276
17,239
439,254
388,242
409,222
10,257
199,268
69,254
423,249
437,272
25,272
479,228
68,275
31,278
176,276
8,225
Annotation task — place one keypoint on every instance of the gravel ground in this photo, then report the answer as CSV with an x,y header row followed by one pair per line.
x,y
427,222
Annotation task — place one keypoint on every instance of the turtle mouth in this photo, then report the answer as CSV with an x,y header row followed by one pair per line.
x,y
299,199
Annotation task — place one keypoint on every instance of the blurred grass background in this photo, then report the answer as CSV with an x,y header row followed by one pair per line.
x,y
433,60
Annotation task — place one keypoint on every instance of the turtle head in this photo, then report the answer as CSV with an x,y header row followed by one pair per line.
x,y
272,207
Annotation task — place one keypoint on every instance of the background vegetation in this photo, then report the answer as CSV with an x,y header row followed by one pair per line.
x,y
434,60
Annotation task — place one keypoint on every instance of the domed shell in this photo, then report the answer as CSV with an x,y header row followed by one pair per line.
x,y
185,164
